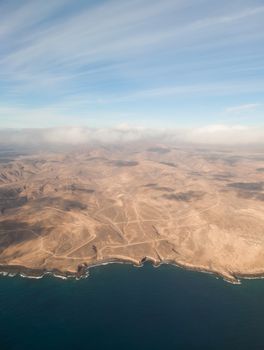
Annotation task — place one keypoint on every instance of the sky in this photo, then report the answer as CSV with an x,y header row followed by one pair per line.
x,y
132,63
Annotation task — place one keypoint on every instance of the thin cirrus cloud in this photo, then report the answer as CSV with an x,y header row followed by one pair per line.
x,y
243,108
173,62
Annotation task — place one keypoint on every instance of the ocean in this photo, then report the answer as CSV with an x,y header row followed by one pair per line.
x,y
123,307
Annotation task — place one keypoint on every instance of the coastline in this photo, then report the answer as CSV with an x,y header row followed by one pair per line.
x,y
84,270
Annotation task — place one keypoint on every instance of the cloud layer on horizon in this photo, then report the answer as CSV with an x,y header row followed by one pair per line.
x,y
212,135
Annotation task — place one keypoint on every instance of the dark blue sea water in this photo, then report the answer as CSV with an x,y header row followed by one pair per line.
x,y
123,307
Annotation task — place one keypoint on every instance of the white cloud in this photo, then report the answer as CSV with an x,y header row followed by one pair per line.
x,y
226,135
210,134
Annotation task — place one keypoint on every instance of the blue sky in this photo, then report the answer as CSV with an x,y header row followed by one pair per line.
x,y
143,63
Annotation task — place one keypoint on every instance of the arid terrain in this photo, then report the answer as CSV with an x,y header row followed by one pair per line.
x,y
201,208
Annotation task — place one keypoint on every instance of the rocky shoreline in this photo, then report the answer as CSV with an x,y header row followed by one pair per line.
x,y
84,269
16,270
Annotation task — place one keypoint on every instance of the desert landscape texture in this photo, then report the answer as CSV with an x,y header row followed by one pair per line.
x,y
66,210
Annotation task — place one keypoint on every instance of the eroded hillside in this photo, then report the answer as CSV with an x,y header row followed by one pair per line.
x,y
199,208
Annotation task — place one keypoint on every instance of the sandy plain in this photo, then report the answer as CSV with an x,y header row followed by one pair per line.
x,y
196,207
